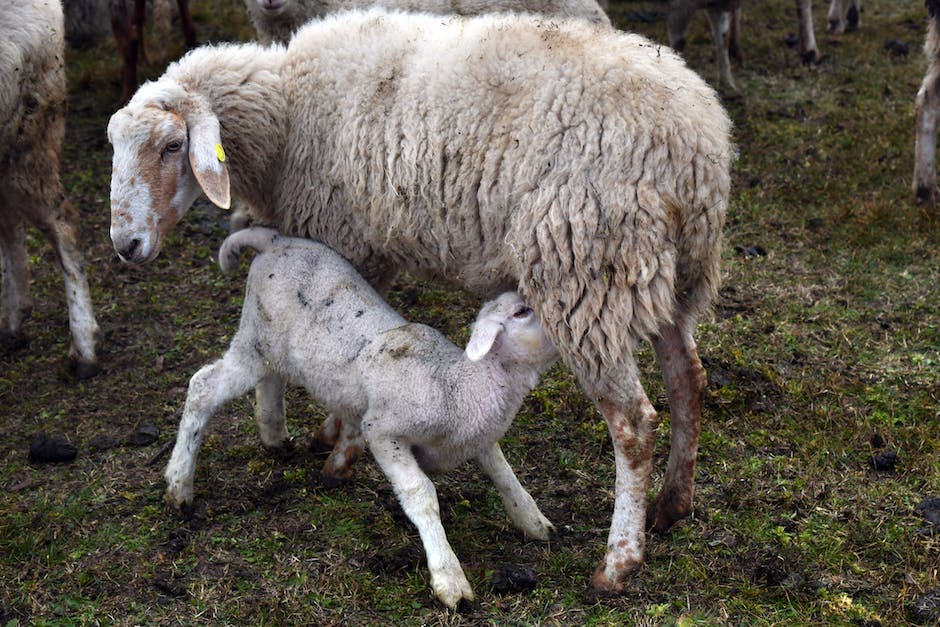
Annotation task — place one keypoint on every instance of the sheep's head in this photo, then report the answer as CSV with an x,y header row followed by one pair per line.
x,y
508,327
167,150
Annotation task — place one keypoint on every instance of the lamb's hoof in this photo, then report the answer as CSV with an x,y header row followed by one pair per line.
x,y
454,591
333,481
83,370
926,195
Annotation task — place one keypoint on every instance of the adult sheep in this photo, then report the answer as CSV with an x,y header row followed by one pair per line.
x,y
276,20
585,167
32,125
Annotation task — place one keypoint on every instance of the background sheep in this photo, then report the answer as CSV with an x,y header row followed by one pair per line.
x,y
419,401
586,167
724,19
927,106
32,125
276,20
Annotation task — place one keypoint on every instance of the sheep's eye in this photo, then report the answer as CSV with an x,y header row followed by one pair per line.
x,y
174,146
522,312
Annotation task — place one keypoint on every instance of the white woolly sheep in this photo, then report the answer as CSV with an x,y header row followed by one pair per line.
x,y
927,106
276,20
32,126
586,168
724,20
421,403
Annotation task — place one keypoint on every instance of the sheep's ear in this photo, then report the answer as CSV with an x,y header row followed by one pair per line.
x,y
482,338
207,158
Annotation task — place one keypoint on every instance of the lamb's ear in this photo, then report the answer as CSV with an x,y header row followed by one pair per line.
x,y
482,337
207,158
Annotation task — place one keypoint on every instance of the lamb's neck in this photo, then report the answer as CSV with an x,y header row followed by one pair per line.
x,y
493,390
244,90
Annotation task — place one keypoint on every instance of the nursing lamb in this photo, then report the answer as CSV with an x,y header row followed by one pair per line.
x,y
32,126
586,168
421,403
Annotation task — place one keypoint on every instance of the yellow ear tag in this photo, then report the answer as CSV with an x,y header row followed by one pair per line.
x,y
219,152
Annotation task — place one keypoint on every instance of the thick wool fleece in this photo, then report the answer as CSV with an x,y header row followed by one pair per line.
x,y
585,167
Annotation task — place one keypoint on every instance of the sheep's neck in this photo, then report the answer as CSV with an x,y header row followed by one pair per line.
x,y
246,96
495,391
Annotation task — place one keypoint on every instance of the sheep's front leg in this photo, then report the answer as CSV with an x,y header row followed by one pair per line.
x,y
210,388
418,499
269,411
685,382
519,504
632,422
719,20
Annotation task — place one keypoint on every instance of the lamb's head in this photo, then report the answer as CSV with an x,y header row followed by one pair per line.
x,y
508,329
167,150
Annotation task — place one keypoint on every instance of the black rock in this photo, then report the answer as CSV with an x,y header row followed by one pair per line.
x,y
898,47
925,609
929,510
103,442
884,461
513,578
51,448
146,433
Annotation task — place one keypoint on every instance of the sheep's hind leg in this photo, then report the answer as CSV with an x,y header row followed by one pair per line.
x,y
418,499
210,388
347,450
927,106
519,504
15,301
60,229
632,422
685,382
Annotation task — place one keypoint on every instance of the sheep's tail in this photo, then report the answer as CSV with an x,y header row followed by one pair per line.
x,y
257,238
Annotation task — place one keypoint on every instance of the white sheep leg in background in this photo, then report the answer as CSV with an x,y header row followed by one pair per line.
x,y
720,23
269,411
632,423
804,15
418,499
519,504
927,106
685,382
840,21
14,264
210,388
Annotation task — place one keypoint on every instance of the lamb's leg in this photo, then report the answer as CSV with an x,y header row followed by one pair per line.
x,y
927,105
685,382
804,15
59,227
519,504
15,301
632,422
210,388
418,499
269,411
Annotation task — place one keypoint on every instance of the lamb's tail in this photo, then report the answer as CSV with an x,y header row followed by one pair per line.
x,y
257,238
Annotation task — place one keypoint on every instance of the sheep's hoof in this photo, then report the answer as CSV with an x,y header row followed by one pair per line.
x,y
83,370
605,584
665,511
13,341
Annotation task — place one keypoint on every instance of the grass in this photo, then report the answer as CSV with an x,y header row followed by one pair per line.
x,y
822,352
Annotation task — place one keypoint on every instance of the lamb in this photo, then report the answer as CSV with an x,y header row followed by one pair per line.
x,y
422,404
724,17
276,20
927,106
32,126
586,168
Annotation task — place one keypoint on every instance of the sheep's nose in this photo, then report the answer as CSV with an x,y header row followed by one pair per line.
x,y
127,252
